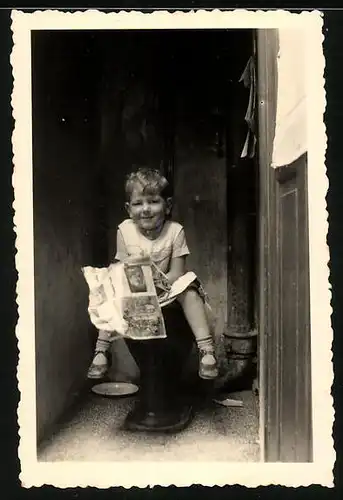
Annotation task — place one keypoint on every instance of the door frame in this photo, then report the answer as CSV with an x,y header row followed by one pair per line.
x,y
266,42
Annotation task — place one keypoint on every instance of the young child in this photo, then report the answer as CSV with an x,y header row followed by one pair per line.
x,y
149,231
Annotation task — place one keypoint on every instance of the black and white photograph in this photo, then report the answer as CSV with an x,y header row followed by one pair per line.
x,y
195,143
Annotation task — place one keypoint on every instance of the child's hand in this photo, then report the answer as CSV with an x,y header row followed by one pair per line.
x,y
160,279
161,283
161,290
164,296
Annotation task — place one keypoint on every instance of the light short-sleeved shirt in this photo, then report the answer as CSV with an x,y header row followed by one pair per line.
x,y
170,243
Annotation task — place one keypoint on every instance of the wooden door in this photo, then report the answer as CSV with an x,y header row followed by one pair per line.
x,y
285,384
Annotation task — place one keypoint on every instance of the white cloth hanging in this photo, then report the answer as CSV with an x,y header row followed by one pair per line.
x,y
290,141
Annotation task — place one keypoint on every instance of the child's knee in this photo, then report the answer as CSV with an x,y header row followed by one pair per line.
x,y
192,292
189,293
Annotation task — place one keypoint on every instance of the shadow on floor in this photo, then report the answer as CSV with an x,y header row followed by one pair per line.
x,y
94,433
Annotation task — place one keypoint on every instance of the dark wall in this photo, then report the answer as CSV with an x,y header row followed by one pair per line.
x,y
210,133
131,124
65,195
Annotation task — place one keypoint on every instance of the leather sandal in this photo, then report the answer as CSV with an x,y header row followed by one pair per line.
x,y
99,371
208,368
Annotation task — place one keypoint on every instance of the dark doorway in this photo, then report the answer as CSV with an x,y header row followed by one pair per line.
x,y
103,104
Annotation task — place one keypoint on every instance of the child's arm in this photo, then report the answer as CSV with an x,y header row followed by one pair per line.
x,y
177,268
121,253
178,260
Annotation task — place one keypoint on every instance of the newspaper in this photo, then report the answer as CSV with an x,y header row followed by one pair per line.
x,y
127,297
104,306
140,305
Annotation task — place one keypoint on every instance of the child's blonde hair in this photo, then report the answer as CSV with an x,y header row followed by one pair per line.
x,y
151,181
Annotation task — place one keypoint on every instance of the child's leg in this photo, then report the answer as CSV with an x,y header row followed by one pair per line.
x,y
194,310
100,362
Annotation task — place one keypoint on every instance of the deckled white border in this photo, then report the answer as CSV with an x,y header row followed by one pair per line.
x,y
102,475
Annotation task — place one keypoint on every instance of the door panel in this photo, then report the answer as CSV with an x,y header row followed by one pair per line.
x,y
285,385
288,320
294,319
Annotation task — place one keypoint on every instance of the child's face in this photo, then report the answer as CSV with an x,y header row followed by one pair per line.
x,y
148,211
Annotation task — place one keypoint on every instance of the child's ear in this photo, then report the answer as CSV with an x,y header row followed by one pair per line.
x,y
169,205
127,207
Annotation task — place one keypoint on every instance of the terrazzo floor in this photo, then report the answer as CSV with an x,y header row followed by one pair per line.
x,y
94,433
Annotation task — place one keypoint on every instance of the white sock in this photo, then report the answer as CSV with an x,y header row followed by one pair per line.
x,y
206,344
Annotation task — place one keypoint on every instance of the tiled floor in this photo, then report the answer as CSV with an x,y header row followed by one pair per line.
x,y
94,434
